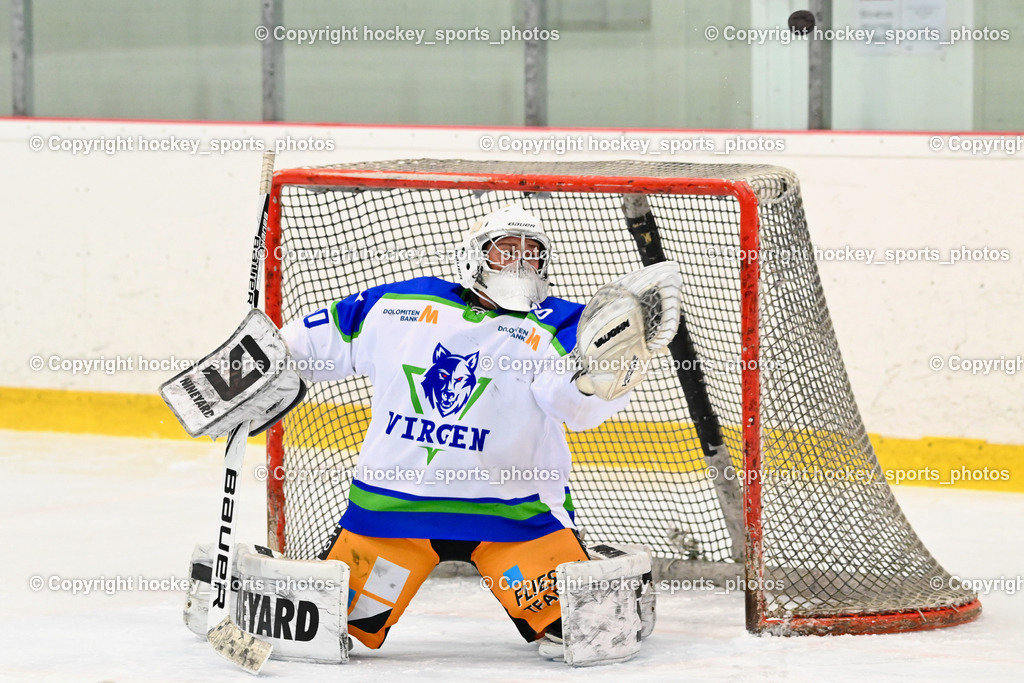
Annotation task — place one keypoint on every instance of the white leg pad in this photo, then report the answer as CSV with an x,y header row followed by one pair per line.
x,y
197,600
300,607
600,600
647,600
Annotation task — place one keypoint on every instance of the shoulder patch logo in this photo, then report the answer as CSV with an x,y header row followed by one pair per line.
x,y
450,381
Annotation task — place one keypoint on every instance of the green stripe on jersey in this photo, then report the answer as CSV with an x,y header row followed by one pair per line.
x,y
337,324
383,503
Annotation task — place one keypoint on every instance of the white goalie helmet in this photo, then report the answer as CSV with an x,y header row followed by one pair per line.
x,y
517,283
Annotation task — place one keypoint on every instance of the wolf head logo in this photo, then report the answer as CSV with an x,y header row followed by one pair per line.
x,y
449,382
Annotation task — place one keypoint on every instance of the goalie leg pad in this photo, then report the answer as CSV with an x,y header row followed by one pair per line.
x,y
197,600
601,606
250,377
298,606
646,600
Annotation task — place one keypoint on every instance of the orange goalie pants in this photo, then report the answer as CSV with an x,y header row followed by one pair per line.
x,y
387,572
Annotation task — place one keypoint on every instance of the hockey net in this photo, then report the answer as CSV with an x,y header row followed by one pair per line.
x,y
793,500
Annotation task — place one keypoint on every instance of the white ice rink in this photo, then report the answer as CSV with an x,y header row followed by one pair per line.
x,y
80,506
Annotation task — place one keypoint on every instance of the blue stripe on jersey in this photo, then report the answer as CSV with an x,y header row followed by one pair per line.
x,y
350,312
412,497
375,511
559,316
446,525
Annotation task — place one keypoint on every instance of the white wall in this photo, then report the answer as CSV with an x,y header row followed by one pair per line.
x,y
885,85
146,254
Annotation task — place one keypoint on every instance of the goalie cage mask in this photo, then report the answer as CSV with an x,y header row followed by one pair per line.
x,y
518,286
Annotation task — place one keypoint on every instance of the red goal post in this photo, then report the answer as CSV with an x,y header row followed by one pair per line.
x,y
740,207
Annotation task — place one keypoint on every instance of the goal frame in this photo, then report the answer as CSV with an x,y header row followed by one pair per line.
x,y
749,276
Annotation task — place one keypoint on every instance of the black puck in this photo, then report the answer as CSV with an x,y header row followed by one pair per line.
x,y
801,21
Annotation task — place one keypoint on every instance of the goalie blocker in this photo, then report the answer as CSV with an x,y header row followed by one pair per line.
x,y
624,325
298,606
249,378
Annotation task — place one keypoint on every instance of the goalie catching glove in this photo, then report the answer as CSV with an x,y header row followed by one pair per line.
x,y
249,378
624,325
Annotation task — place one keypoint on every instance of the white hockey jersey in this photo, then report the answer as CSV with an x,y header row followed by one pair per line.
x,y
466,438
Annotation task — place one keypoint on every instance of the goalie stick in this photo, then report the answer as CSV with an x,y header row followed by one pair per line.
x,y
226,637
642,225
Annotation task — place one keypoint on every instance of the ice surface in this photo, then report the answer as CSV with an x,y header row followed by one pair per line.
x,y
80,506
